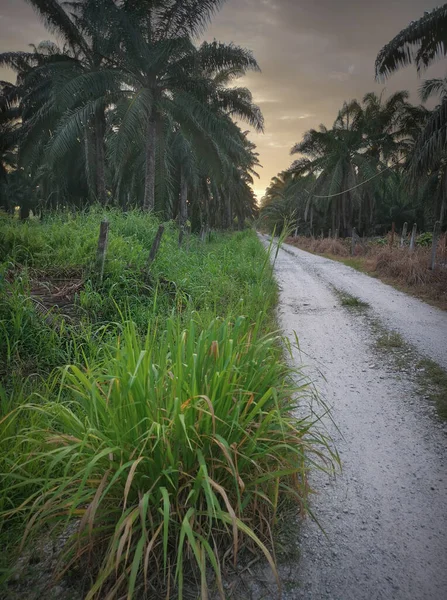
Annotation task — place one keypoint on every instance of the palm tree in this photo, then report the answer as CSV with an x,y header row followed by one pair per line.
x,y
338,164
9,125
422,42
82,61
429,153
162,71
57,94
131,99
350,160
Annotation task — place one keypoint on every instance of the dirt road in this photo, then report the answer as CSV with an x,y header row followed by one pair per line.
x,y
385,516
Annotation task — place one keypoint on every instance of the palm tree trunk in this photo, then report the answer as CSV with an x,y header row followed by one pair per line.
x,y
100,131
207,202
443,198
149,177
90,156
240,218
183,213
343,210
338,211
228,211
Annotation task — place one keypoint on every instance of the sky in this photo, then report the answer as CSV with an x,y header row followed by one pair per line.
x,y
313,54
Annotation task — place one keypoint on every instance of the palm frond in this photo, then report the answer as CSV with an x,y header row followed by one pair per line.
x,y
421,42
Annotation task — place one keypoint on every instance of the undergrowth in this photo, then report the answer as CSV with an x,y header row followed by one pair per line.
x,y
150,415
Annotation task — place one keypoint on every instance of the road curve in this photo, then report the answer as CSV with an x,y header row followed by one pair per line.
x,y
385,516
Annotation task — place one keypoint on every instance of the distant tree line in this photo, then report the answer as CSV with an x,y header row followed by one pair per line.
x,y
127,110
383,160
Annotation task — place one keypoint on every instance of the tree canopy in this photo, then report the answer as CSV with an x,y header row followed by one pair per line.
x,y
127,109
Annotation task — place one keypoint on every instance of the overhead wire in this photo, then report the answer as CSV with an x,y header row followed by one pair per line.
x,y
355,186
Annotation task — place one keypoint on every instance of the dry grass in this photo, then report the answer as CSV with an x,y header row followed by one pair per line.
x,y
320,246
394,265
410,271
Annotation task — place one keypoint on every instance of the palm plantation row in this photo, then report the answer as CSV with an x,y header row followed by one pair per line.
x,y
127,110
383,160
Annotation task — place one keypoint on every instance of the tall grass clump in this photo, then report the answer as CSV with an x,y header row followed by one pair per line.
x,y
167,454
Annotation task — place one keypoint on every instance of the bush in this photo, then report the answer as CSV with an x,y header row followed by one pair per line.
x,y
166,451
396,264
424,239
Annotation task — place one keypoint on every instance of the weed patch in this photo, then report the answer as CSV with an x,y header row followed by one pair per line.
x,y
352,301
390,340
434,381
429,378
146,419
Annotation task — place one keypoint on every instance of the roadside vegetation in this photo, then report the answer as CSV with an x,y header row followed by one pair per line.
x,y
352,301
148,418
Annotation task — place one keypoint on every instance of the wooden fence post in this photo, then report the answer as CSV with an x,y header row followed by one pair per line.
x,y
155,245
336,234
436,231
102,249
393,229
404,234
353,241
330,233
413,237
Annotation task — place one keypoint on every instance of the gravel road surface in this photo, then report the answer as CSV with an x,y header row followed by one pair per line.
x,y
385,516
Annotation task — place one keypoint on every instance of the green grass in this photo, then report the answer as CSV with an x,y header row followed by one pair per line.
x,y
226,277
434,382
159,419
390,340
430,378
351,301
173,447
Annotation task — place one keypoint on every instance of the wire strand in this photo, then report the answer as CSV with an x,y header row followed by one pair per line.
x,y
353,188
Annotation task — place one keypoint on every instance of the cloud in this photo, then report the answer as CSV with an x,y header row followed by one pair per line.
x,y
342,75
296,117
278,145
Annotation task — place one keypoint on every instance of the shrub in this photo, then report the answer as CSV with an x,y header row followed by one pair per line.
x,y
424,239
173,448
